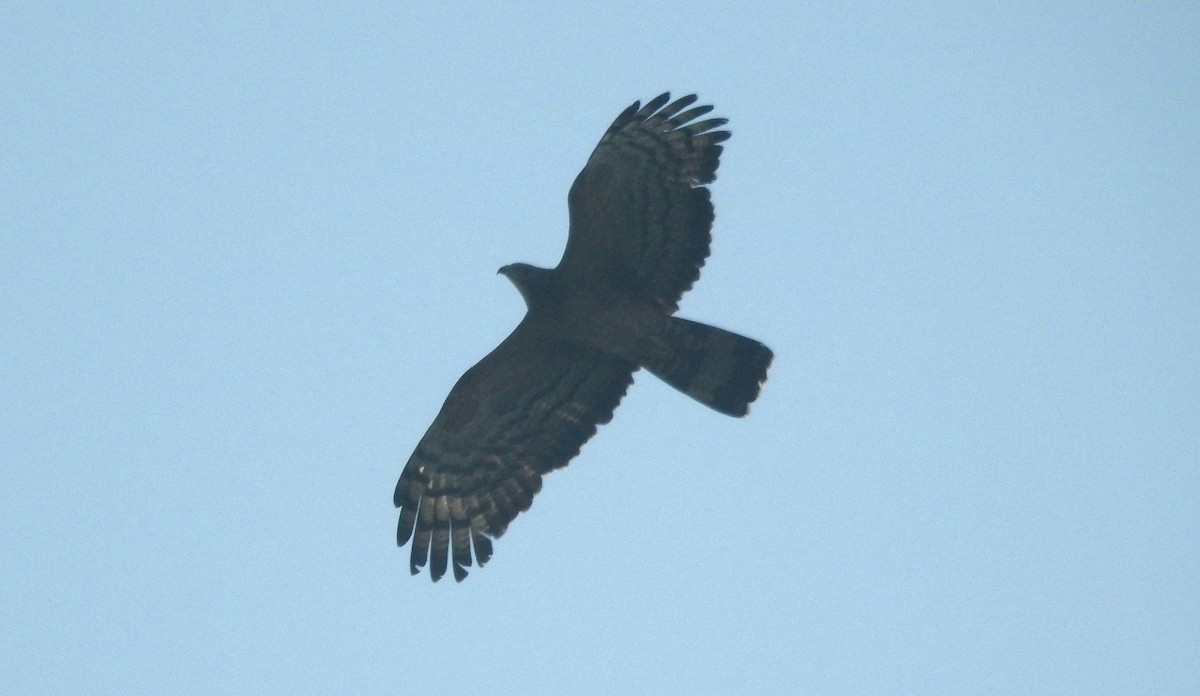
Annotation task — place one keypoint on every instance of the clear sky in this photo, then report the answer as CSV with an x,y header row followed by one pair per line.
x,y
246,249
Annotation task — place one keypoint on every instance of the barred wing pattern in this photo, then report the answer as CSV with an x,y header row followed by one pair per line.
x,y
522,411
640,216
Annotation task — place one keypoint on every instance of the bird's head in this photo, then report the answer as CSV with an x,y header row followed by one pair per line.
x,y
533,282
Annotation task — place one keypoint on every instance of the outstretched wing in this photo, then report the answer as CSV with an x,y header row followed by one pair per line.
x,y
522,411
640,214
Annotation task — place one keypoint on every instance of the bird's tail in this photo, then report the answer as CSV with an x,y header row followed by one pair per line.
x,y
718,368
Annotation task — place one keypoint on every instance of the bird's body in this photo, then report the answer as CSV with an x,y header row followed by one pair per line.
x,y
640,222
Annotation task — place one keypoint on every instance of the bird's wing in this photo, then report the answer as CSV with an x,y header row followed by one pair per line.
x,y
522,411
640,213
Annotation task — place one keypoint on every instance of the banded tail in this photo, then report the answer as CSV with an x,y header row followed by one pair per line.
x,y
718,368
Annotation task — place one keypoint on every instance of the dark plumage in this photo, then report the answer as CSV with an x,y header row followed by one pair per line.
x,y
640,218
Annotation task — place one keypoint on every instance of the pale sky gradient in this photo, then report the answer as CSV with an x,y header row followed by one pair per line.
x,y
246,249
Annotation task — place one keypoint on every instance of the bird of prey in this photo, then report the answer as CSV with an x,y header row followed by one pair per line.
x,y
640,218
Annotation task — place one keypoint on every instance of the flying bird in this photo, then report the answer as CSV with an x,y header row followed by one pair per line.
x,y
640,222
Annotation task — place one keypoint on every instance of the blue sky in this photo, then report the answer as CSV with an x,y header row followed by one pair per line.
x,y
246,249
